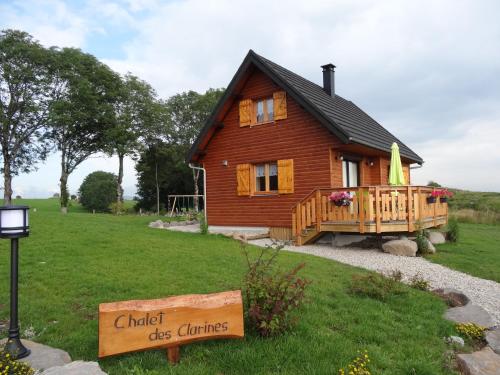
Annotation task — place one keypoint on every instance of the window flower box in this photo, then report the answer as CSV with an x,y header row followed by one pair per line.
x,y
441,194
340,198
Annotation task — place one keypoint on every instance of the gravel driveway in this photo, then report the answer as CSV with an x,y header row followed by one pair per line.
x,y
485,293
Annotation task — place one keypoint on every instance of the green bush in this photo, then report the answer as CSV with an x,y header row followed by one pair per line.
x,y
453,230
98,191
418,282
9,366
271,295
422,242
117,208
375,286
203,225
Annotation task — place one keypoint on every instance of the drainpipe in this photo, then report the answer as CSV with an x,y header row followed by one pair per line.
x,y
204,189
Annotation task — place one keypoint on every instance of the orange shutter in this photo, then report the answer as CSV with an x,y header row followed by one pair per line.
x,y
243,179
285,176
279,98
406,173
245,112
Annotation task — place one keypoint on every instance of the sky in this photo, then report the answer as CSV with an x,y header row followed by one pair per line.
x,y
428,71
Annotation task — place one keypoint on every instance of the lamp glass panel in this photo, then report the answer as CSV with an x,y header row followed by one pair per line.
x,y
13,219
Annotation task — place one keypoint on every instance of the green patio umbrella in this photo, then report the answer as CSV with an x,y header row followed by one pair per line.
x,y
396,175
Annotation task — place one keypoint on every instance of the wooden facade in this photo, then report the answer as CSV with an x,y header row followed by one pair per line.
x,y
266,155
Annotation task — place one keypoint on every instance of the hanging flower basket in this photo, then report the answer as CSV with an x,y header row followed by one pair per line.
x,y
431,200
442,195
340,198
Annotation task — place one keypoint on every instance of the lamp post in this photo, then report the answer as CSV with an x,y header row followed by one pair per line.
x,y
14,225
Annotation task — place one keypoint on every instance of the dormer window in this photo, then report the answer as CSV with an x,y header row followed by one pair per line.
x,y
263,110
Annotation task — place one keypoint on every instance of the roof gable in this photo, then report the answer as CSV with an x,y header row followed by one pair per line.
x,y
340,116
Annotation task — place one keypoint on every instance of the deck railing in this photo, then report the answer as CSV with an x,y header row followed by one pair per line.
x,y
374,209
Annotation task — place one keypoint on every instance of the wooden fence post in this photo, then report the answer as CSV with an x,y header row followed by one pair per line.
x,y
361,208
318,210
378,224
411,226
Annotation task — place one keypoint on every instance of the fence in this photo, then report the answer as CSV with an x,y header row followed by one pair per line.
x,y
179,204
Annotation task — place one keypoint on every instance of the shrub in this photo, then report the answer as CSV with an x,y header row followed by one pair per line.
x,y
396,275
203,225
98,191
422,242
73,197
470,330
9,366
418,282
375,286
271,295
117,208
453,230
358,366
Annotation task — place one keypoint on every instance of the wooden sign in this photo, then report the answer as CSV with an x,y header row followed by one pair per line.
x,y
169,322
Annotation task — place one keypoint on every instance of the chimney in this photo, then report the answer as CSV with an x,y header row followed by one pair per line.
x,y
329,79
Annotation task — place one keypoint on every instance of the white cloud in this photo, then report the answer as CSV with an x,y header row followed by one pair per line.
x,y
428,71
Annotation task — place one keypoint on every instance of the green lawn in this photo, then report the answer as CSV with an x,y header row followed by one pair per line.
x,y
477,252
72,263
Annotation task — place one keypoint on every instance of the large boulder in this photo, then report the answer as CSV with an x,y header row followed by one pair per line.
x,y
75,368
405,248
484,362
43,356
452,297
156,224
493,339
437,238
470,314
430,247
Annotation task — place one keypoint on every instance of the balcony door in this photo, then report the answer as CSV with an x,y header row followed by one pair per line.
x,y
350,173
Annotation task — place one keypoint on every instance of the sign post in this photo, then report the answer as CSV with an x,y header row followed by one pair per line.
x,y
138,325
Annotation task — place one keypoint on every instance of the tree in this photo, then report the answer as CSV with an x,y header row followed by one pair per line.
x,y
82,111
433,184
25,94
135,114
155,184
97,191
186,113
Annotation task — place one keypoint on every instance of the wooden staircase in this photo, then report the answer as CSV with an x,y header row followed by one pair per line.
x,y
373,209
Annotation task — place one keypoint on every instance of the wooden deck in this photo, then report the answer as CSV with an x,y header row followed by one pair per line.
x,y
382,209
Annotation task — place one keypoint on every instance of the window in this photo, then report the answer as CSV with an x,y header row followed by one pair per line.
x,y
266,177
350,173
263,110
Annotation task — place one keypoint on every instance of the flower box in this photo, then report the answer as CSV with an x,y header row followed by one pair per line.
x,y
431,200
340,198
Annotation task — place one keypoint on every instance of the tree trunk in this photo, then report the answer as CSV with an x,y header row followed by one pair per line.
x,y
157,189
196,176
63,185
119,189
7,180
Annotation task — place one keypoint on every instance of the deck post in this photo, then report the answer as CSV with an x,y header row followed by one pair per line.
x,y
318,210
411,226
420,205
299,221
378,224
435,210
361,207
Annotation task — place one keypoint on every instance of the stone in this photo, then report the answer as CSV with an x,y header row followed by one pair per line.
x,y
430,247
470,313
75,368
484,362
156,224
437,238
42,356
452,297
493,339
401,247
455,340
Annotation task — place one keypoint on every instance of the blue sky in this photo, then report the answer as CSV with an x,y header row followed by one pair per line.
x,y
429,71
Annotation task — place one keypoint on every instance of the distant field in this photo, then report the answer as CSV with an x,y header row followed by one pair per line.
x,y
475,207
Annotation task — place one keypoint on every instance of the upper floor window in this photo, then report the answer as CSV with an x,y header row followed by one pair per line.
x,y
263,110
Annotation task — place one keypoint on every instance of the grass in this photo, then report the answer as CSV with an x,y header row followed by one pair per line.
x,y
477,252
71,263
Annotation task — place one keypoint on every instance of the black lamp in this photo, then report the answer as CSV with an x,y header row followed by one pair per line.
x,y
14,225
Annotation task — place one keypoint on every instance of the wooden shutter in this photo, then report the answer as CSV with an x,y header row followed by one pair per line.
x,y
279,98
406,173
285,176
245,112
243,179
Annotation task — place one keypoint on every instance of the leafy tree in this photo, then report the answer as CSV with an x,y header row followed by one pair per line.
x,y
97,191
82,111
25,94
186,113
135,112
433,184
161,170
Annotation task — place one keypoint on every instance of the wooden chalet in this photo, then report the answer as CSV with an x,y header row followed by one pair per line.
x,y
277,145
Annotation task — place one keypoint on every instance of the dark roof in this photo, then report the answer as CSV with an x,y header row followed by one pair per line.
x,y
342,117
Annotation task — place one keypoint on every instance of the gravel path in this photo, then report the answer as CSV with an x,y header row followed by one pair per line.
x,y
485,293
